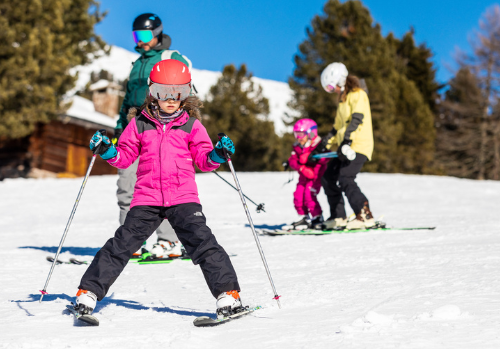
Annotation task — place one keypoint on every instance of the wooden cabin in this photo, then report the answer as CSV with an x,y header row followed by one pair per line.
x,y
61,148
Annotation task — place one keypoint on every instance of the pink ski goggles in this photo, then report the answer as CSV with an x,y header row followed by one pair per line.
x,y
330,88
165,92
299,134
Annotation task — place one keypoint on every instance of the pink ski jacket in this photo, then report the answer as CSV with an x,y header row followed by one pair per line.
x,y
298,162
168,153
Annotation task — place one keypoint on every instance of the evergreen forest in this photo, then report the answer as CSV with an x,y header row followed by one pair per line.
x,y
420,126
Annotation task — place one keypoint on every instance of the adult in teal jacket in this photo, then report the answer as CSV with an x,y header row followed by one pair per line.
x,y
153,46
152,51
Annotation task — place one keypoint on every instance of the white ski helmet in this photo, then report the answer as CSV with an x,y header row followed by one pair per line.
x,y
333,75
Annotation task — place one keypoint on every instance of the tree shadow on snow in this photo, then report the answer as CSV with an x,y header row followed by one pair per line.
x,y
35,297
78,251
266,226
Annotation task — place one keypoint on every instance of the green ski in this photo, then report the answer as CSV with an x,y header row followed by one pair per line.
x,y
277,232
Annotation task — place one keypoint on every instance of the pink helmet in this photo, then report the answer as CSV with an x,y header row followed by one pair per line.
x,y
305,127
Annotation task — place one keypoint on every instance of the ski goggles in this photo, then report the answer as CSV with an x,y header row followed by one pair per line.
x,y
146,35
143,35
299,134
165,92
330,88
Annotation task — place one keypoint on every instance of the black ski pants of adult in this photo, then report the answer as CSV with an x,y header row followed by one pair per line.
x,y
190,226
340,177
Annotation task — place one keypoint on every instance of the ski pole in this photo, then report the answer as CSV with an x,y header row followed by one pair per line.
x,y
328,155
242,197
44,291
260,207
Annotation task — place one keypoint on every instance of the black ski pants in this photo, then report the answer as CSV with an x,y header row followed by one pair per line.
x,y
343,173
190,226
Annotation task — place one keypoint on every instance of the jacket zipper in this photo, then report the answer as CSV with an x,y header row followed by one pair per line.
x,y
161,182
141,73
163,135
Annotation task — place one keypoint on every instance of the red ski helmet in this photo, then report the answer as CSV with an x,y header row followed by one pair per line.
x,y
170,79
170,72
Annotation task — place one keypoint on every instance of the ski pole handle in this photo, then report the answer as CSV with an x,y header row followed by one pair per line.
x,y
98,148
224,150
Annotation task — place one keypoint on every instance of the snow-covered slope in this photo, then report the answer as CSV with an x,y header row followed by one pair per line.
x,y
119,63
397,289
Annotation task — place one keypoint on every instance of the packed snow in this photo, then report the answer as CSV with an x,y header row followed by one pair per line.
x,y
383,289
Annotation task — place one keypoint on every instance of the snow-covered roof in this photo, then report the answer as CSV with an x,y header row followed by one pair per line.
x,y
119,63
102,84
83,109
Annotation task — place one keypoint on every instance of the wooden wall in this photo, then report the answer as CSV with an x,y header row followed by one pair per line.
x,y
14,157
63,148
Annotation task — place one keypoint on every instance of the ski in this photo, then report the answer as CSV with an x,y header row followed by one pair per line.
x,y
149,259
88,319
205,321
77,261
277,232
161,260
71,261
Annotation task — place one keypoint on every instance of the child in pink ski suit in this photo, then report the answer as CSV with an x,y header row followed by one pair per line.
x,y
310,173
167,135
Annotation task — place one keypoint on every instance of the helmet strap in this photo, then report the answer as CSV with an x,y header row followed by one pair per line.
x,y
158,31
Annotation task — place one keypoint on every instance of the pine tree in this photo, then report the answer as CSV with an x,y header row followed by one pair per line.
x,y
39,42
402,121
469,136
236,107
458,126
415,63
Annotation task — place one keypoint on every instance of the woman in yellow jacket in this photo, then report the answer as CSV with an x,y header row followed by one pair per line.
x,y
353,133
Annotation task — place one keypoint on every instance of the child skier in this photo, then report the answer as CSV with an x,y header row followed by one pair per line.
x,y
352,132
310,173
169,138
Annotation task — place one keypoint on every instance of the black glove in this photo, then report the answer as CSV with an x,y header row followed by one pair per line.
x,y
311,161
116,136
286,165
342,157
324,141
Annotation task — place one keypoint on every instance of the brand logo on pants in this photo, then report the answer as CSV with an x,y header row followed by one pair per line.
x,y
199,214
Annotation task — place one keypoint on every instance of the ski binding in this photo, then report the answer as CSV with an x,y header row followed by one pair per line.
x,y
205,321
86,318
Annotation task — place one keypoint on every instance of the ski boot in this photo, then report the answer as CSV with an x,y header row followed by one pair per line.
x,y
177,250
161,249
332,224
363,220
85,305
315,221
168,249
140,251
85,302
228,303
304,223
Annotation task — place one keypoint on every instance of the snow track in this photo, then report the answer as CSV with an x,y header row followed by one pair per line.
x,y
393,289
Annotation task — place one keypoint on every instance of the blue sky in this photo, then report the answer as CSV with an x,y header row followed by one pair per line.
x,y
265,34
